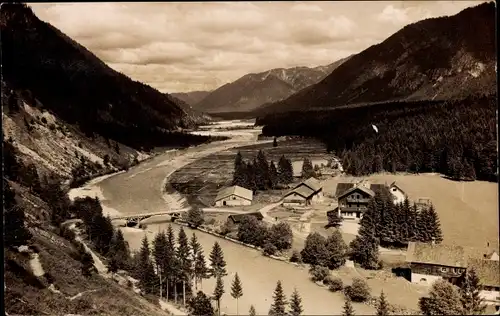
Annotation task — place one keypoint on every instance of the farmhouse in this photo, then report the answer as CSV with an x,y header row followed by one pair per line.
x,y
430,262
235,219
353,198
304,193
234,195
397,192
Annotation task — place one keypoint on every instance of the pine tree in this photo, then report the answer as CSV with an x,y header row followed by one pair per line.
x,y
170,261
470,286
217,262
251,176
195,249
364,249
236,290
144,269
336,250
183,257
218,292
15,232
295,304
251,311
307,169
273,175
434,225
119,250
348,310
261,171
200,268
279,301
334,220
382,305
239,171
159,254
195,217
285,170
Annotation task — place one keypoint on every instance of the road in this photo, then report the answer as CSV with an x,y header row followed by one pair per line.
x,y
140,190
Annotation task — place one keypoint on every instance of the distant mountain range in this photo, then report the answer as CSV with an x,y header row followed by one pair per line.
x,y
192,97
253,90
434,59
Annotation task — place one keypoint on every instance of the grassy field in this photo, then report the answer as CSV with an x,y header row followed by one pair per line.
x,y
468,211
200,180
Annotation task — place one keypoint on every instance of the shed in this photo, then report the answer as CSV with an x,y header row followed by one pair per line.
x,y
234,195
236,218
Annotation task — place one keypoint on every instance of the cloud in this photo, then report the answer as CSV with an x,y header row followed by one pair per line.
x,y
185,46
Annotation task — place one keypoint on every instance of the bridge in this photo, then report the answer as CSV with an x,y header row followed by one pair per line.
x,y
137,218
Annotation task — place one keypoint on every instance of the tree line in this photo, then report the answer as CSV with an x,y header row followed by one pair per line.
x,y
260,174
456,138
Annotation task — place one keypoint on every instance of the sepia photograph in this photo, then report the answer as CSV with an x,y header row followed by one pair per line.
x,y
238,158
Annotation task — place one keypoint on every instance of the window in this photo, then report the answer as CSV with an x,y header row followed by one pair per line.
x,y
444,269
394,189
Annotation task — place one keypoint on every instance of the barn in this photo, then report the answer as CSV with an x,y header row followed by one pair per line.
x,y
234,196
304,193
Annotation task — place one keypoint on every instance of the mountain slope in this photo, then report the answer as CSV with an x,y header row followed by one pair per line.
x,y
438,58
253,90
70,81
191,97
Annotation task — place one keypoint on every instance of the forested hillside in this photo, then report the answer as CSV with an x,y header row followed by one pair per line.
x,y
456,138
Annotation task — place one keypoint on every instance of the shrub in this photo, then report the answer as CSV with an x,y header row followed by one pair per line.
x,y
318,273
269,249
52,127
335,285
327,280
295,257
359,291
44,120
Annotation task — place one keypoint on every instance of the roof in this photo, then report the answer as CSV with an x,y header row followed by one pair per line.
x,y
234,190
378,188
342,187
441,254
302,190
237,217
360,187
312,183
488,271
335,210
397,186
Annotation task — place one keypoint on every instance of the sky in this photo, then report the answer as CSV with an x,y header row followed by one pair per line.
x,y
192,46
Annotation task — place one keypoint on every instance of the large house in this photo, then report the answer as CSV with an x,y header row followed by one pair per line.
x,y
431,262
353,198
234,195
304,194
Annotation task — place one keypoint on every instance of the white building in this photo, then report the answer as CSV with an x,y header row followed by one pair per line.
x,y
234,196
304,194
397,192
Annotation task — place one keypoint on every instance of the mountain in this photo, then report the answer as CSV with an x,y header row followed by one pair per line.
x,y
253,90
63,77
192,97
435,59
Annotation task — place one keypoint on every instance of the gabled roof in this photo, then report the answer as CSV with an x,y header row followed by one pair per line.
x,y
311,183
303,191
445,255
237,217
234,190
396,186
361,188
440,254
488,271
342,187
378,188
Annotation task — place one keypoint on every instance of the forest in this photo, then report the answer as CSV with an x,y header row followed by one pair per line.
x,y
456,138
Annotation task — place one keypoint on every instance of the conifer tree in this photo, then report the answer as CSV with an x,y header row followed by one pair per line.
x,y
364,249
251,311
295,304
334,220
218,291
347,310
279,301
251,176
15,232
275,142
434,225
285,170
273,175
200,268
170,263
183,257
159,253
307,169
239,171
382,306
119,250
261,171
144,269
470,287
236,290
217,262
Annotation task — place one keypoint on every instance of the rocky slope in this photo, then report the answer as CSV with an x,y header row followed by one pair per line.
x,y
435,59
191,97
252,90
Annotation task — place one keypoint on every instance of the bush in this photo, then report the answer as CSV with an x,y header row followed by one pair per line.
x,y
44,120
327,280
359,291
269,249
318,273
335,285
295,257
